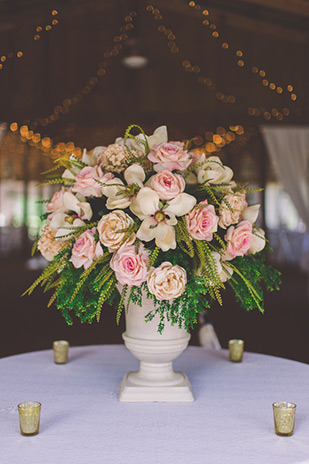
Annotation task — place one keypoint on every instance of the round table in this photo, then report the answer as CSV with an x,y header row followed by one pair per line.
x,y
82,421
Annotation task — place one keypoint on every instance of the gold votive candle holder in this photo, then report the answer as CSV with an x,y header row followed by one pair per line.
x,y
284,417
61,349
29,418
236,349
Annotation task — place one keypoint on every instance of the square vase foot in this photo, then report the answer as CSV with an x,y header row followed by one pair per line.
x,y
133,393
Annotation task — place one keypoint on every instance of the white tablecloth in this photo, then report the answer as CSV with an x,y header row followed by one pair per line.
x,y
82,421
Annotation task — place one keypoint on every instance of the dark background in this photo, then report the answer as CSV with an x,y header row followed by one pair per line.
x,y
71,85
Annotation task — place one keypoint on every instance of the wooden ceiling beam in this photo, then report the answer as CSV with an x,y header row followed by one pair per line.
x,y
297,7
236,20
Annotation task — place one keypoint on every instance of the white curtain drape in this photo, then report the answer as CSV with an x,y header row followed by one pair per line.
x,y
288,148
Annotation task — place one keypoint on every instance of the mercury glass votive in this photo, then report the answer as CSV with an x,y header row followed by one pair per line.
x,y
236,349
29,418
284,417
61,348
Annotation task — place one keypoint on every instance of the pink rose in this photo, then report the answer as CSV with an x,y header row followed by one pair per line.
x,y
231,208
202,221
130,267
56,203
86,249
167,185
238,239
86,181
170,155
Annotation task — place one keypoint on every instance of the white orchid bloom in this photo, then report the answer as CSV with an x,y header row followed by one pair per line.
x,y
258,242
91,158
213,171
65,223
73,171
77,204
226,273
191,179
251,213
158,220
135,174
159,136
117,193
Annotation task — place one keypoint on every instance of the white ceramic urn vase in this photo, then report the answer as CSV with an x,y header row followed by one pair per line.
x,y
156,379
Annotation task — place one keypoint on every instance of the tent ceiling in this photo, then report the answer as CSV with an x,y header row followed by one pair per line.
x,y
58,65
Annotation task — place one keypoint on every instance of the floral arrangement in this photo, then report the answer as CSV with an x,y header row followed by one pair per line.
x,y
149,216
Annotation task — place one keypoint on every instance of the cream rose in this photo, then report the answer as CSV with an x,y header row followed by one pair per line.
x,y
112,229
48,245
86,249
202,221
167,185
238,239
130,267
231,209
167,282
170,155
86,181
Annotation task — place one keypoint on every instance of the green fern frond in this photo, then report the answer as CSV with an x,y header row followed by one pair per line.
x,y
153,256
144,142
220,241
34,246
61,180
84,277
53,169
104,295
182,235
256,297
121,303
210,192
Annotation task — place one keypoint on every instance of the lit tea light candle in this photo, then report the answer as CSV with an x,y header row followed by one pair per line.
x,y
284,417
29,418
236,349
61,348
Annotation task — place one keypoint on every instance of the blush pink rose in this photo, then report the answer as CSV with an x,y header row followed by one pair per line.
x,y
56,203
167,185
202,221
86,249
170,155
86,181
231,208
130,267
238,239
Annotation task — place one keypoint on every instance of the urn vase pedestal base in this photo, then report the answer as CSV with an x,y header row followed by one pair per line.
x,y
156,379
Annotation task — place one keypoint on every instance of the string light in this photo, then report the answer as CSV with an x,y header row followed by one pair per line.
x,y
68,103
27,132
212,142
186,64
36,36
239,53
